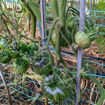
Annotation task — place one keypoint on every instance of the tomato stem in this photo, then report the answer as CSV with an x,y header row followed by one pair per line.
x,y
46,101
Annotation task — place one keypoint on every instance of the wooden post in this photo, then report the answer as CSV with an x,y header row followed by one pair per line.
x,y
43,19
80,50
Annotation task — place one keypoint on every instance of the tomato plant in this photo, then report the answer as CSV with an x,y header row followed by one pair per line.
x,y
45,64
53,88
33,47
5,56
21,65
22,47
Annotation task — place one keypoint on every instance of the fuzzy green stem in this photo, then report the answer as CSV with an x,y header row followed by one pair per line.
x,y
33,26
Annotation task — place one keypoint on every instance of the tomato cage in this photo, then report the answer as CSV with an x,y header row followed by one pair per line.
x,y
26,90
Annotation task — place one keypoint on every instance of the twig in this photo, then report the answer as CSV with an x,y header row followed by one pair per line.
x,y
5,84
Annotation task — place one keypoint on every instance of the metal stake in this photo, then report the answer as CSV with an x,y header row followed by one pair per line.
x,y
43,19
80,50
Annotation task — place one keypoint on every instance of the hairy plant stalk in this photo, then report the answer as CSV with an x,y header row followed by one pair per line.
x,y
80,50
57,47
33,15
54,8
29,22
6,26
13,15
33,8
62,12
33,26
55,13
46,101
62,18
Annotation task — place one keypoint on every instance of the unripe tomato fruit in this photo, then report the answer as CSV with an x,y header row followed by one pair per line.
x,y
82,39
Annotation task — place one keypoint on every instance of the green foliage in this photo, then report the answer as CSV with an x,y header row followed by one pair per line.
x,y
54,88
102,90
21,65
55,85
54,8
44,65
33,47
62,12
101,5
101,43
35,14
3,43
22,47
33,7
5,56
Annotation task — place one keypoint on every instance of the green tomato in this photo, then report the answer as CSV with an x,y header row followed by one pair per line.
x,y
5,57
54,89
82,39
53,38
63,43
21,65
